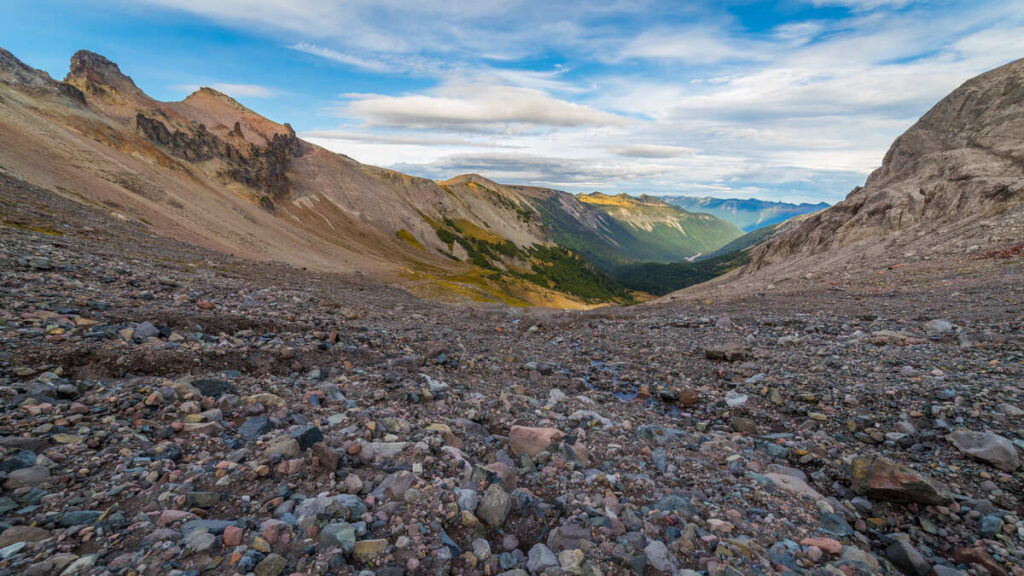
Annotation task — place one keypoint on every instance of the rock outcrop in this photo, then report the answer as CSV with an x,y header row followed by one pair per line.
x,y
94,74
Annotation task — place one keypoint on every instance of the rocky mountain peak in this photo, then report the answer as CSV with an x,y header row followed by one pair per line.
x,y
206,94
986,112
471,179
94,74
16,72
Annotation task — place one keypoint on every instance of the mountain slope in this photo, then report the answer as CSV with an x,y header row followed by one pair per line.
x,y
960,165
209,171
749,214
659,232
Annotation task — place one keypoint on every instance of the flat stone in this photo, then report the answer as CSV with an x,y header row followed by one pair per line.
x,y
212,526
386,449
27,477
199,542
23,533
81,565
794,485
202,499
20,459
212,387
729,352
987,447
80,518
877,477
367,550
272,565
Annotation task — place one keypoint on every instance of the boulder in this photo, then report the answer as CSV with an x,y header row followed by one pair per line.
x,y
877,477
987,447
532,441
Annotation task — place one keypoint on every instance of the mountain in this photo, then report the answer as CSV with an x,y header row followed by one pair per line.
x,y
951,187
749,214
659,232
210,171
613,231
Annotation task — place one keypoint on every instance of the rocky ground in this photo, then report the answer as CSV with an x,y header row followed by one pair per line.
x,y
168,410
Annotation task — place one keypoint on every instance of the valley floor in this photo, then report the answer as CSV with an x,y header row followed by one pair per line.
x,y
169,410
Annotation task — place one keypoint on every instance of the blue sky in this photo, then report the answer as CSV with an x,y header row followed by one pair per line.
x,y
795,100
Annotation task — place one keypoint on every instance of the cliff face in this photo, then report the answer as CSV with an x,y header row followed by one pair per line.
x,y
261,168
960,162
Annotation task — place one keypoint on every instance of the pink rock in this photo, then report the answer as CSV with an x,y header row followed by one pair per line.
x,y
532,441
232,536
827,544
270,530
172,516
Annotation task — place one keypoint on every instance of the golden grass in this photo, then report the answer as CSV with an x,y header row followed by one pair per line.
x,y
407,237
471,230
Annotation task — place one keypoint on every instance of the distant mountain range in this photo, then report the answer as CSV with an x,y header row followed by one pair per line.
x,y
749,214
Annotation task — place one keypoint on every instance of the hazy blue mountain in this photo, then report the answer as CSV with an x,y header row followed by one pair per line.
x,y
749,214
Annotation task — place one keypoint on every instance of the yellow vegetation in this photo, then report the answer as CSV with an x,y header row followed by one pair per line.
x,y
471,230
407,237
606,200
480,285
40,229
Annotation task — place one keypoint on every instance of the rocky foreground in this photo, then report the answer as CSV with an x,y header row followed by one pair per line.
x,y
169,410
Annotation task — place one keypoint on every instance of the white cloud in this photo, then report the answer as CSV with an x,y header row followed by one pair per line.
x,y
233,90
475,107
343,58
653,151
415,139
695,45
863,4
636,95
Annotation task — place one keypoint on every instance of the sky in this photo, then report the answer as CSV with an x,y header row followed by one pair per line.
x,y
792,100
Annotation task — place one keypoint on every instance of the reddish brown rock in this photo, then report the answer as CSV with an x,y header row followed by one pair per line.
x,y
532,441
980,557
232,536
326,456
688,397
880,478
